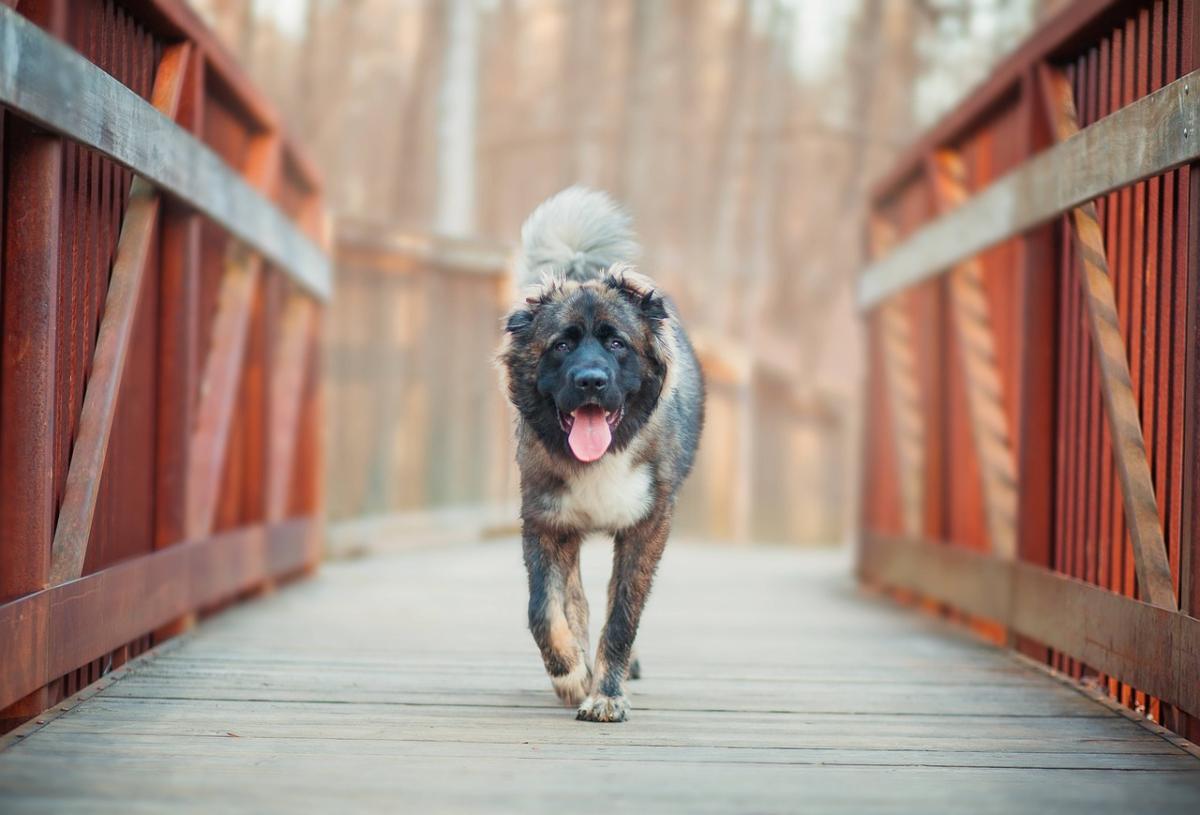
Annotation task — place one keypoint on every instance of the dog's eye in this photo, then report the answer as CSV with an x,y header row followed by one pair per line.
x,y
616,344
562,347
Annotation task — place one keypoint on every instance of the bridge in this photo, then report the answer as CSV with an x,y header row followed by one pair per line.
x,y
1017,626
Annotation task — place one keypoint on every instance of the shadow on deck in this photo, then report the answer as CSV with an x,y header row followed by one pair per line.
x,y
407,681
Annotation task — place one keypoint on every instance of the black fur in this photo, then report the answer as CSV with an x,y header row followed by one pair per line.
x,y
539,373
594,334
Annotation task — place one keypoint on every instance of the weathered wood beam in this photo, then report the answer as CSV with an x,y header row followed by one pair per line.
x,y
1116,384
1148,137
977,583
1156,650
904,394
981,372
138,232
87,618
48,82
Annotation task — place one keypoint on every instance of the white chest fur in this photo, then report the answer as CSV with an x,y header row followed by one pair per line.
x,y
610,494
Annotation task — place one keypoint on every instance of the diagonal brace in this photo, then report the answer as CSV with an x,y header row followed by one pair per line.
x,y
1116,383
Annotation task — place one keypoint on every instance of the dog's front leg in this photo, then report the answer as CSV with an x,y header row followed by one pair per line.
x,y
552,561
636,553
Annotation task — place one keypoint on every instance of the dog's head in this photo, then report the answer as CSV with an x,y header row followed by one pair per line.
x,y
587,362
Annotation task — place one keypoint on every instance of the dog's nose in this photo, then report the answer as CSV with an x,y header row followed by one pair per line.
x,y
591,380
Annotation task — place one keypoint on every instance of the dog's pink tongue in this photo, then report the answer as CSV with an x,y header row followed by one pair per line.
x,y
590,434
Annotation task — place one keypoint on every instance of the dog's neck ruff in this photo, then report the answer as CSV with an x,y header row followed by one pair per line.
x,y
609,494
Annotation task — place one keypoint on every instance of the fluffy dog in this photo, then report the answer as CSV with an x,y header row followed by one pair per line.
x,y
610,401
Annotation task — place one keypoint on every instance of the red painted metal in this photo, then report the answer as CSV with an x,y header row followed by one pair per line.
x,y
60,223
1071,515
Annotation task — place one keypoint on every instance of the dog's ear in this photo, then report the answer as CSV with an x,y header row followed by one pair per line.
x,y
640,291
519,321
653,306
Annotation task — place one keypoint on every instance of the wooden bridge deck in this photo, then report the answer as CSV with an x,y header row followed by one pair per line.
x,y
407,682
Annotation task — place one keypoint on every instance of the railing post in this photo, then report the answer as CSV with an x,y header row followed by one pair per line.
x,y
31,209
178,332
1036,444
1189,202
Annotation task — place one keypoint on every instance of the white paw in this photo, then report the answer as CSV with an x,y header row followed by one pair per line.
x,y
572,687
603,709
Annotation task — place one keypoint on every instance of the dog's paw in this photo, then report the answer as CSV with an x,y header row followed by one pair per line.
x,y
573,687
599,708
635,669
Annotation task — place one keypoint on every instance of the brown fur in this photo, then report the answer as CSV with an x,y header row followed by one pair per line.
x,y
629,491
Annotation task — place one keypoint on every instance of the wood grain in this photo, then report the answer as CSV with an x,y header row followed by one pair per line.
x,y
1150,647
53,85
56,630
1148,137
139,230
410,681
1155,582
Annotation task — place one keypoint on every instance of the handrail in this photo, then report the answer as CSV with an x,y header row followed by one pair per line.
x,y
1149,137
47,81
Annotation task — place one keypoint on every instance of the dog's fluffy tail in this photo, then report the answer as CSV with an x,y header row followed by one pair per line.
x,y
576,235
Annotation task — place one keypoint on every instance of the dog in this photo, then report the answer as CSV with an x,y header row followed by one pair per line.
x,y
610,404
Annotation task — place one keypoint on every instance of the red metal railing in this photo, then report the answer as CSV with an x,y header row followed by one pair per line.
x,y
1007,420
158,380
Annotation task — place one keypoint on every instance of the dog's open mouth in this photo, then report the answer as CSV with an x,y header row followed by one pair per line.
x,y
589,430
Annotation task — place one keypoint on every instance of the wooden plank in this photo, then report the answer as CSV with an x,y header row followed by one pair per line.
x,y
1150,647
1148,137
138,233
1122,637
975,582
981,373
458,783
52,84
1120,403
302,750
89,617
1000,735
747,707
395,252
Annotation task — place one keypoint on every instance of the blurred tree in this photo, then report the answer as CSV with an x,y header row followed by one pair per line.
x,y
743,133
